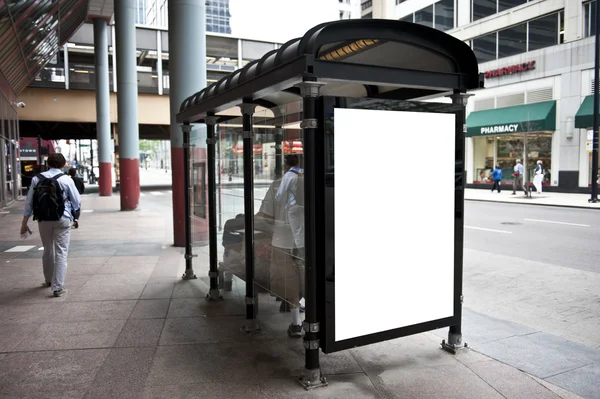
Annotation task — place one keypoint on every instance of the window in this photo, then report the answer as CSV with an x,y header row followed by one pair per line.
x,y
543,32
367,16
444,15
483,8
425,16
589,18
485,48
366,4
400,1
512,41
199,189
408,18
507,4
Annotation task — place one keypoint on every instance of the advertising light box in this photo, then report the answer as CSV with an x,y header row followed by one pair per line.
x,y
390,224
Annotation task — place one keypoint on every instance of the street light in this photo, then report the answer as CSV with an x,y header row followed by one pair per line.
x,y
594,197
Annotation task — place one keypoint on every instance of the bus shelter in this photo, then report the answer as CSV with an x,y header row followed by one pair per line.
x,y
316,176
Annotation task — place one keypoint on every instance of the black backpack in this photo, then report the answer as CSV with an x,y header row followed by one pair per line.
x,y
48,201
299,194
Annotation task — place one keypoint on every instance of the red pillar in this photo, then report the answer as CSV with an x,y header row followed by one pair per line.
x,y
129,183
177,171
105,180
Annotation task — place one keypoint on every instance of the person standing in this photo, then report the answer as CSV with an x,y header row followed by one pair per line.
x,y
538,178
51,198
497,177
518,174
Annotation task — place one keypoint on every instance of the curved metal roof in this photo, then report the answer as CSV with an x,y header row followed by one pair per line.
x,y
351,44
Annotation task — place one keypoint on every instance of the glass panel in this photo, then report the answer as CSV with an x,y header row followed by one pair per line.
x,y
543,32
444,15
367,16
589,19
483,8
512,41
506,4
279,207
485,48
511,146
408,18
425,16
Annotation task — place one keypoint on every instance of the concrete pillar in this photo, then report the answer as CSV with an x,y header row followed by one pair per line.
x,y
187,64
102,107
127,104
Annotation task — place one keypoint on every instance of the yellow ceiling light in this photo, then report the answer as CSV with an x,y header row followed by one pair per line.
x,y
348,49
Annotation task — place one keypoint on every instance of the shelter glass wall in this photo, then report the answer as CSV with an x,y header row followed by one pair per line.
x,y
10,175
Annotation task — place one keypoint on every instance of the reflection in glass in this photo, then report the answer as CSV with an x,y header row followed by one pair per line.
x,y
543,32
483,8
425,16
485,48
507,4
444,15
589,19
512,41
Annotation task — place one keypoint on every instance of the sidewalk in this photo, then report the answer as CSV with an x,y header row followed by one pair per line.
x,y
547,199
131,328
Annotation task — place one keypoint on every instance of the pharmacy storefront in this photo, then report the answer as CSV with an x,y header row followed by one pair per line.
x,y
584,119
500,136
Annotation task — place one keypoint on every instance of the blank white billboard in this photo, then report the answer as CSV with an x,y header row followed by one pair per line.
x,y
394,219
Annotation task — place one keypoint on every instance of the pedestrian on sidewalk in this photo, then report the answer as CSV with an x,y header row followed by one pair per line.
x,y
51,198
77,180
497,177
518,174
539,176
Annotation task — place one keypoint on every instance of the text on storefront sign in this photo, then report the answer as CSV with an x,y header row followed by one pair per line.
x,y
500,129
509,70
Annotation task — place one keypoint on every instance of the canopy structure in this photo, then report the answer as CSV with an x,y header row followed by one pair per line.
x,y
584,118
524,118
357,58
359,81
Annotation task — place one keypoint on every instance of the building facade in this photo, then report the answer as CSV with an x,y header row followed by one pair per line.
x,y
538,60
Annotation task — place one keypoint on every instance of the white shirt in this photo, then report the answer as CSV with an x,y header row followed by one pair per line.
x,y
70,193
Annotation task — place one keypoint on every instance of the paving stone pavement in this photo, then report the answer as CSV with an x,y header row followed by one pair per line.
x,y
131,328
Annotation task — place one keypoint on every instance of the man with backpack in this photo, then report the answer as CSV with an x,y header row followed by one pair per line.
x,y
54,201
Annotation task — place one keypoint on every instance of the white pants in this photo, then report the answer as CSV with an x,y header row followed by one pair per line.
x,y
296,218
55,238
537,182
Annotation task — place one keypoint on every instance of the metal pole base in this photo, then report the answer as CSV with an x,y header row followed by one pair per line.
x,y
214,295
593,200
312,379
454,343
189,275
251,327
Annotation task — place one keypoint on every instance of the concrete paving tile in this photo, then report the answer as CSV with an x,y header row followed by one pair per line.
x,y
511,382
123,374
140,332
191,289
150,309
471,356
31,372
127,279
414,350
11,335
101,310
29,313
106,292
91,253
204,330
351,386
127,268
158,291
71,394
92,260
563,393
189,364
73,335
584,381
541,355
76,268
194,307
446,381
225,390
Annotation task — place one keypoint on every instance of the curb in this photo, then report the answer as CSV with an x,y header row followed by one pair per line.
x,y
536,204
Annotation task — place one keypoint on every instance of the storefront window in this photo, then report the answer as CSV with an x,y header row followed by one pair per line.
x,y
512,41
504,150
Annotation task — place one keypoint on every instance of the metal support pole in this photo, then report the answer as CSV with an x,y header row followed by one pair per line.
x,y
66,62
312,377
594,197
251,324
189,269
278,153
102,107
92,176
219,182
127,104
455,340
214,293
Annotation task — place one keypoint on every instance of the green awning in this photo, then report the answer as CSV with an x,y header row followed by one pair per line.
x,y
535,117
584,118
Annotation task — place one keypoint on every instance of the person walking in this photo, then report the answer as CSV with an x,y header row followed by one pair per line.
x,y
497,177
518,174
51,198
538,178
77,180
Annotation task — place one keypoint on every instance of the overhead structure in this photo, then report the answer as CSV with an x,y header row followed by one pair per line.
x,y
345,91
